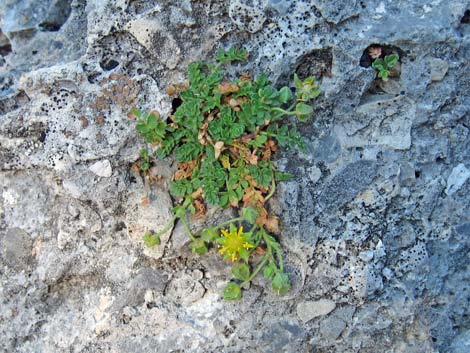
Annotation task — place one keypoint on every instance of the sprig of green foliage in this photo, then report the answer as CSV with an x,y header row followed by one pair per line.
x,y
385,65
223,136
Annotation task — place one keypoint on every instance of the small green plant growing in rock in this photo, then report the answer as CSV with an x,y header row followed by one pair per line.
x,y
385,65
223,136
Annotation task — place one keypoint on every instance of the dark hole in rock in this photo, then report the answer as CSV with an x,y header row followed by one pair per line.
x,y
466,18
366,60
175,103
317,63
5,46
42,137
57,15
108,65
92,78
417,174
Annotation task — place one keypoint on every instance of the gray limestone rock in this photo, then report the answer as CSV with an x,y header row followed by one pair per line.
x,y
351,180
309,310
375,218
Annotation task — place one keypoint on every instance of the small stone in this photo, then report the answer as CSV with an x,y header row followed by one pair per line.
x,y
387,273
309,310
102,168
457,178
331,328
314,174
366,256
438,68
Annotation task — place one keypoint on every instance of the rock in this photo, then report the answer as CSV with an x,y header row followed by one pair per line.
x,y
375,217
16,248
331,328
457,178
438,68
185,289
282,336
249,18
145,279
327,148
346,184
339,11
309,310
379,121
151,34
102,168
366,256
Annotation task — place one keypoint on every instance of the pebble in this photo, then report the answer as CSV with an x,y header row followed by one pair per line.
x,y
102,168
309,310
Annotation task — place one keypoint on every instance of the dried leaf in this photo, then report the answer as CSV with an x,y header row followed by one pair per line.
x,y
200,209
145,200
252,158
197,194
374,52
218,147
272,224
226,87
185,170
263,216
245,76
253,197
260,251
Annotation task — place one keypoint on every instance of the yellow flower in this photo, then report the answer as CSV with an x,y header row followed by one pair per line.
x,y
235,244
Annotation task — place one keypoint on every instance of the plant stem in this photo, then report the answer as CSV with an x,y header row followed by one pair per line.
x,y
273,189
186,227
255,272
230,221
286,112
170,223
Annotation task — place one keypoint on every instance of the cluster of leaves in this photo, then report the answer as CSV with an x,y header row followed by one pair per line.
x,y
223,136
385,65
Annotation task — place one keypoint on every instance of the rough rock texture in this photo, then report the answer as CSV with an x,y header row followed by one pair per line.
x,y
375,223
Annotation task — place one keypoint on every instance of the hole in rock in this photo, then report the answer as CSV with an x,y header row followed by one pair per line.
x,y
175,103
316,63
57,15
108,65
5,46
466,18
377,50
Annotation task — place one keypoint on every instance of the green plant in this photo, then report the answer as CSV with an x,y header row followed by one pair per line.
x,y
385,65
223,136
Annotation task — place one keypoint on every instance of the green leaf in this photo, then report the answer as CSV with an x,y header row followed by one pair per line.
x,y
188,152
280,176
151,240
280,283
249,214
269,270
384,75
259,141
303,111
198,246
136,112
233,54
306,89
285,94
378,64
179,211
209,235
241,271
391,60
232,291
